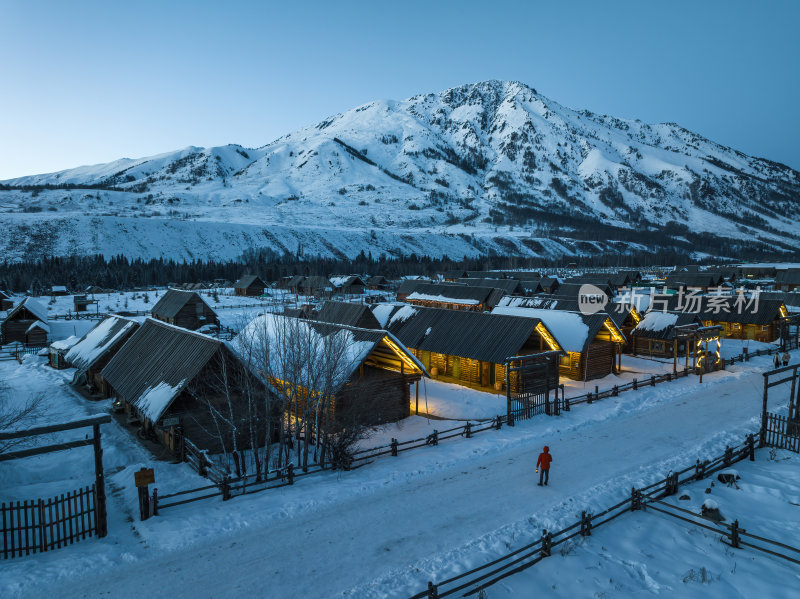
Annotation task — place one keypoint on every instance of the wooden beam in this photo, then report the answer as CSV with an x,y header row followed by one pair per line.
x,y
24,453
54,428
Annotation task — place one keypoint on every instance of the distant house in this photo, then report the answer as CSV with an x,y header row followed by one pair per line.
x,y
655,334
592,342
373,375
249,286
377,282
295,283
347,284
81,303
316,285
94,350
6,301
573,289
169,378
466,347
509,286
787,279
345,313
58,290
455,297
184,309
409,286
696,280
454,275
26,323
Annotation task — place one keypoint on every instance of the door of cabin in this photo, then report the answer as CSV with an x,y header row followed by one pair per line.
x,y
456,367
486,374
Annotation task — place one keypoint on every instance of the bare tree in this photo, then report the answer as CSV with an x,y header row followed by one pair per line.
x,y
14,416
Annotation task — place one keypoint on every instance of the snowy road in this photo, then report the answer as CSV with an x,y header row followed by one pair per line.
x,y
387,528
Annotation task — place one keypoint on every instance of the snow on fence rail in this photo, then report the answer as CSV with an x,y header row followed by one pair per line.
x,y
473,581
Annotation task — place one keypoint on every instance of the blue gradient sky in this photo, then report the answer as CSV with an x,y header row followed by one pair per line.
x,y
89,82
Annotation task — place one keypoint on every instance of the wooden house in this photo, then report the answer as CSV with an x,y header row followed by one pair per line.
x,y
184,309
373,371
573,290
20,324
655,334
759,322
6,301
549,284
348,284
81,303
295,283
249,286
455,297
787,279
316,285
409,286
530,287
593,343
90,354
168,379
58,290
468,348
377,283
453,275
349,314
509,286
692,280
57,351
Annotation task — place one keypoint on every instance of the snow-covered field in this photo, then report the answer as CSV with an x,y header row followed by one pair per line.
x,y
383,529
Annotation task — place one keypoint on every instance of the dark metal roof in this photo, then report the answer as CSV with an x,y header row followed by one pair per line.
x,y
488,296
507,285
173,301
158,354
346,313
475,335
728,308
788,276
455,274
247,280
542,302
377,280
95,344
692,279
410,285
295,281
572,290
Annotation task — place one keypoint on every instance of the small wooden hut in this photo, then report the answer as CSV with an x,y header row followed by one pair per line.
x,y
184,309
249,286
20,324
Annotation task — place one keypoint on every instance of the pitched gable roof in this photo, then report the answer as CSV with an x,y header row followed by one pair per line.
x,y
31,305
173,302
346,313
245,281
94,344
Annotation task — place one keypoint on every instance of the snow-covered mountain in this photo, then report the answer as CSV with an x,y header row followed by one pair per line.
x,y
488,167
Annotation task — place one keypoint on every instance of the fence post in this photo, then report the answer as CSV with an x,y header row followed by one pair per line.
x,y
728,459
586,524
653,380
100,484
290,473
433,592
547,543
226,488
751,447
467,430
564,399
435,437
615,391
635,384
589,397
636,500
510,419
499,422
155,501
735,534
394,447
42,544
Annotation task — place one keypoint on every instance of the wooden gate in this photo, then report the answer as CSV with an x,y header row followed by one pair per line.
x,y
781,432
532,386
38,525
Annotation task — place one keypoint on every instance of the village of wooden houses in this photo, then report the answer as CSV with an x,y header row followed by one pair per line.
x,y
204,392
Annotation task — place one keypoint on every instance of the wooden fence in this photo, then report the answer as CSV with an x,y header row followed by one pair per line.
x,y
477,579
782,432
38,525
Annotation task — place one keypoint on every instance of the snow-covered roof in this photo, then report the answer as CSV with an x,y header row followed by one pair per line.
x,y
94,344
569,328
64,344
38,325
61,329
32,306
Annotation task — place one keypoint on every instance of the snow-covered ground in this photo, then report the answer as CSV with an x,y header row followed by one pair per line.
x,y
383,529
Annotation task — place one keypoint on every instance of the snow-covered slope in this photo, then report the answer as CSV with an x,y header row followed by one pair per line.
x,y
492,166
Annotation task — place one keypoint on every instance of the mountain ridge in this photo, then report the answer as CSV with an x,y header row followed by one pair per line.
x,y
490,167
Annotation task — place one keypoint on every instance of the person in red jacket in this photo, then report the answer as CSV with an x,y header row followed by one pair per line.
x,y
543,465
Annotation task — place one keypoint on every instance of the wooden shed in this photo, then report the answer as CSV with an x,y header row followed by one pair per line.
x,y
468,348
18,325
57,352
96,348
377,283
347,284
249,286
184,309
655,335
787,279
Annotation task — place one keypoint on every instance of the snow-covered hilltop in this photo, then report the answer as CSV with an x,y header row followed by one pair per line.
x,y
488,167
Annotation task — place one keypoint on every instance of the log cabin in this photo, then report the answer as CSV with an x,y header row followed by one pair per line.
x,y
377,283
787,279
509,286
409,286
373,370
695,280
453,275
467,348
592,343
6,301
249,286
573,290
453,296
655,334
348,284
57,352
316,285
184,309
20,321
168,378
95,349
